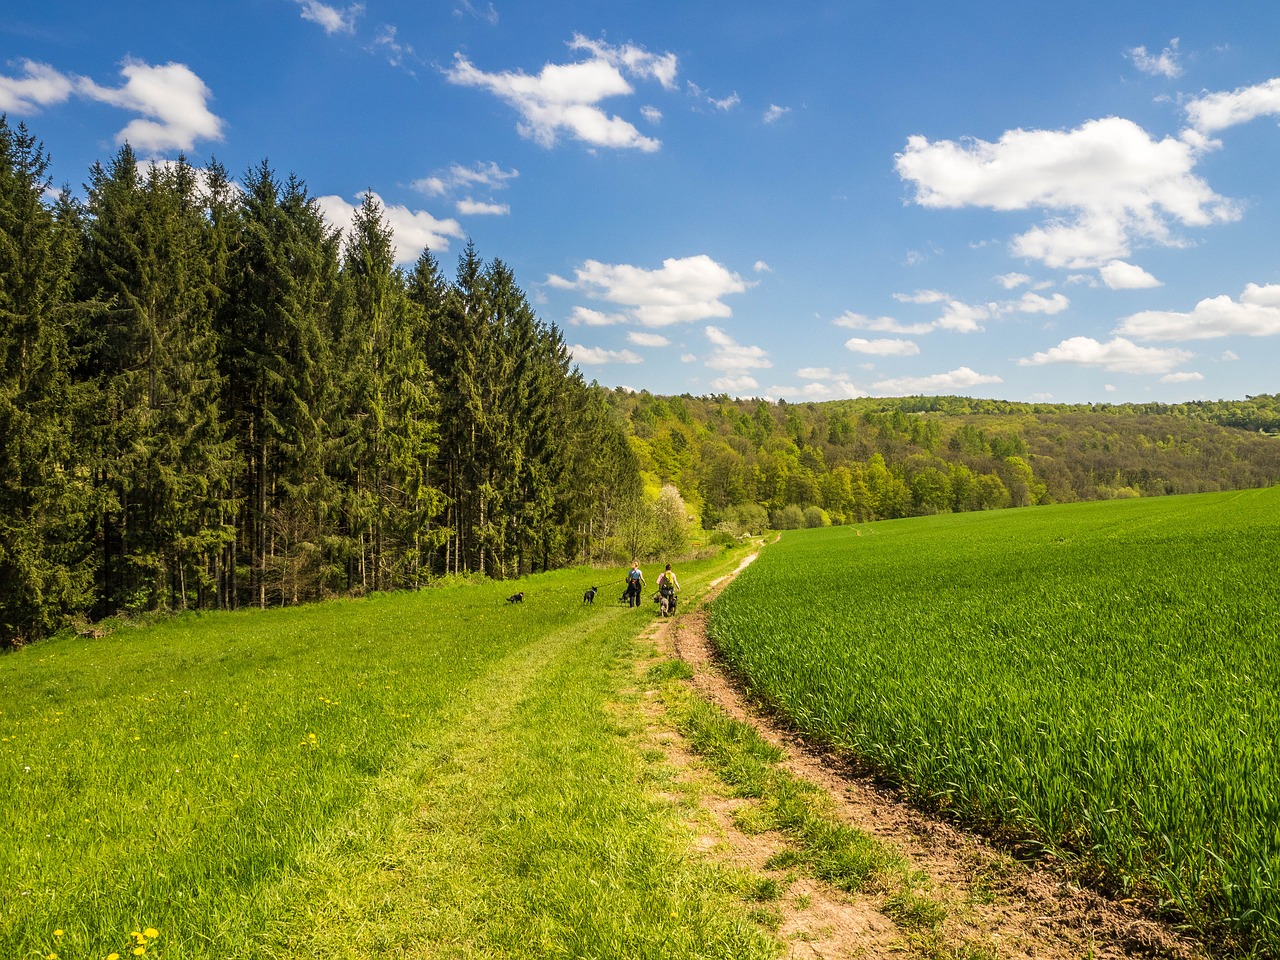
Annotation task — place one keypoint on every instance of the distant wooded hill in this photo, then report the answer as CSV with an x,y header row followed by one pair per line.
x,y
744,464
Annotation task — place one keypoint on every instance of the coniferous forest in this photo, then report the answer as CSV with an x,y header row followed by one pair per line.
x,y
209,398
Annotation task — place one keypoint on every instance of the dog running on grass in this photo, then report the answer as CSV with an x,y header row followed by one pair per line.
x,y
516,597
589,596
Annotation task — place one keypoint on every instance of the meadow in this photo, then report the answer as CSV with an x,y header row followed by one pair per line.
x,y
1098,681
431,774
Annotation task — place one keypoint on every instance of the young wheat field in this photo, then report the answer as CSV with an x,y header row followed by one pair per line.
x,y
1098,679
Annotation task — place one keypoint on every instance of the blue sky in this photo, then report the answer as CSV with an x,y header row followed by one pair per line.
x,y
1067,202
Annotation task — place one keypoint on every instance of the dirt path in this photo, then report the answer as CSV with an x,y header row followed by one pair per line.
x,y
996,907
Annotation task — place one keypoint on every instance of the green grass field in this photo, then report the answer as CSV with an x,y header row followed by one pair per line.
x,y
433,774
1101,679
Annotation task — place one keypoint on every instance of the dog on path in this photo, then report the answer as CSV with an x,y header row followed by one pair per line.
x,y
589,596
516,597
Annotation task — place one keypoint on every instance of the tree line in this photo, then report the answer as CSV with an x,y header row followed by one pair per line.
x,y
745,465
209,398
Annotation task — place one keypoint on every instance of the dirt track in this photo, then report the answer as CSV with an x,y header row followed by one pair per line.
x,y
996,906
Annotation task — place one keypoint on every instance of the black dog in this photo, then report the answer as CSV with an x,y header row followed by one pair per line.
x,y
516,597
589,596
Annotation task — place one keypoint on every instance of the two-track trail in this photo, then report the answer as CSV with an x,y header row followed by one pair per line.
x,y
996,907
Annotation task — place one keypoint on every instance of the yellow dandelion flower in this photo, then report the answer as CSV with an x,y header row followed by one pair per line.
x,y
151,932
57,933
113,956
139,951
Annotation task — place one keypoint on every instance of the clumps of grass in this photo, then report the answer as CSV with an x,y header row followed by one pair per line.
x,y
820,844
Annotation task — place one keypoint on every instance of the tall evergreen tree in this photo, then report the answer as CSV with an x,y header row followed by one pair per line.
x,y
46,572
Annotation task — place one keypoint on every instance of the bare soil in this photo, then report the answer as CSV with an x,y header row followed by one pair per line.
x,y
996,906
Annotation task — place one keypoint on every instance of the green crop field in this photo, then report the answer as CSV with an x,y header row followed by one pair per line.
x,y
1101,679
431,774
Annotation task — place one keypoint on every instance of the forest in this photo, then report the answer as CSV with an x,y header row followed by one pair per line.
x,y
211,398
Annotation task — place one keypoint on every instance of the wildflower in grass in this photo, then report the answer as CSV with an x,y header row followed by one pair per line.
x,y
57,933
113,956
151,933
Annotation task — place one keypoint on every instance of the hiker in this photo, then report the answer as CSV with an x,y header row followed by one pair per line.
x,y
668,586
635,584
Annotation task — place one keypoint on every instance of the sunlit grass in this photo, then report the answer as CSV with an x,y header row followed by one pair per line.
x,y
1101,678
437,773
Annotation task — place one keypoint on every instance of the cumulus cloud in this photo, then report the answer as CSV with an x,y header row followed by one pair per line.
x,y
1117,356
647,339
1186,376
775,113
859,321
599,355
412,230
566,97
1105,185
39,86
1163,64
458,177
682,290
586,317
1118,275
1011,281
469,207
954,381
1255,314
840,389
1217,111
330,18
761,267
1034,303
731,356
814,373
651,113
171,96
882,348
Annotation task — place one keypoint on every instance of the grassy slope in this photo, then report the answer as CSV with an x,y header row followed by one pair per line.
x,y
432,774
1100,677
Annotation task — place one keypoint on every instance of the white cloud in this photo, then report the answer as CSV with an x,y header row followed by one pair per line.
x,y
1106,185
599,355
412,230
682,290
651,113
1117,356
39,86
586,317
922,296
458,177
688,358
566,97
732,356
735,384
489,16
172,96
814,373
1230,355
648,339
391,48
635,60
1186,376
1034,303
882,348
330,18
1217,111
1012,280
939,383
858,321
959,317
761,267
1118,275
469,207
775,113
841,389
1255,314
1164,64
725,103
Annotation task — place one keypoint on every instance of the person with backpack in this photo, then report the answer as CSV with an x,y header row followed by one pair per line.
x,y
635,584
668,586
